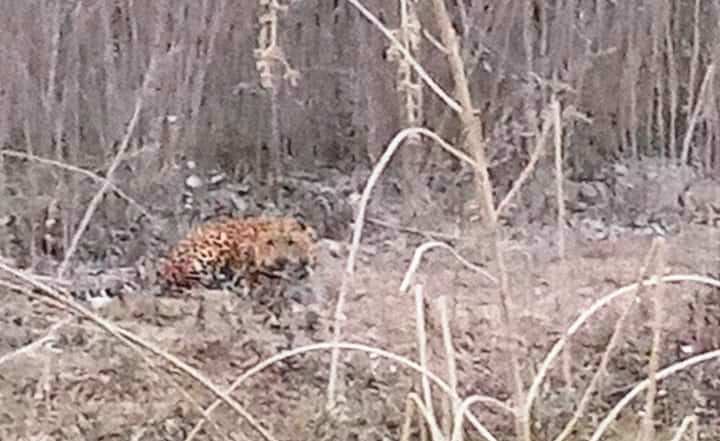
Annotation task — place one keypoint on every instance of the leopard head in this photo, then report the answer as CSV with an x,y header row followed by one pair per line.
x,y
288,250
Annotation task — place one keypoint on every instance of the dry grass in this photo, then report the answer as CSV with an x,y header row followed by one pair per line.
x,y
83,83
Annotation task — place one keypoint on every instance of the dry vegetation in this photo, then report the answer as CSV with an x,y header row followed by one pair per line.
x,y
539,261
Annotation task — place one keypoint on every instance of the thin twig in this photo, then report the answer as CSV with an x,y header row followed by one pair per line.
x,y
451,358
615,338
49,335
424,233
662,374
692,122
348,275
435,87
133,342
92,206
95,177
370,350
594,308
527,171
427,246
423,357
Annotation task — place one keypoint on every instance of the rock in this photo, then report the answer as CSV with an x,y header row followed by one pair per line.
x,y
194,181
218,178
241,189
6,221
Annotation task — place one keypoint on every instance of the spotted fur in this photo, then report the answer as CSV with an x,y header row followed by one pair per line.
x,y
240,252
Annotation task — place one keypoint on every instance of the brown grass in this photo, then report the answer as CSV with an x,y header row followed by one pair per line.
x,y
265,89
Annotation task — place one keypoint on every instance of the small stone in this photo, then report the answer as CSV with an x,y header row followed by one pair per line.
x,y
193,181
593,229
216,179
588,192
335,248
170,309
240,204
687,349
621,169
641,220
239,188
8,220
191,165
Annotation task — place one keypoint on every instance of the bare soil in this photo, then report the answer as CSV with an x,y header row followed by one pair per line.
x,y
83,384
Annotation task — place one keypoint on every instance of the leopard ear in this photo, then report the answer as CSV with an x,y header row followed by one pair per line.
x,y
310,230
303,223
299,218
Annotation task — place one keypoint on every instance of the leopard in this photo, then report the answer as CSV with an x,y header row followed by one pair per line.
x,y
240,254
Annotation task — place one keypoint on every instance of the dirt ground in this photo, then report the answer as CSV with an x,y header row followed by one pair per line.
x,y
83,384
